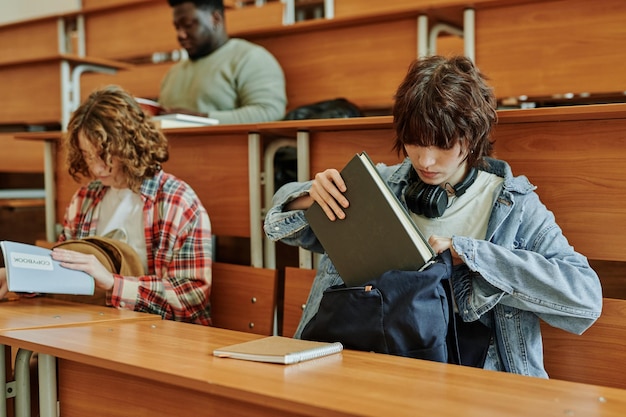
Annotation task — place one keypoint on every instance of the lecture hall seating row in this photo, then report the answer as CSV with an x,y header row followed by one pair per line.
x,y
570,153
528,48
185,377
531,141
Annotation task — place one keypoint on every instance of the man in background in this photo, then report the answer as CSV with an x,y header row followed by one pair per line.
x,y
231,80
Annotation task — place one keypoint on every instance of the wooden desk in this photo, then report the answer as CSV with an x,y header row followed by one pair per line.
x,y
575,156
41,312
167,368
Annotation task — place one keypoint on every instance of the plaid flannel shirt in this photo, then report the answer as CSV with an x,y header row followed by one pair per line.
x,y
178,244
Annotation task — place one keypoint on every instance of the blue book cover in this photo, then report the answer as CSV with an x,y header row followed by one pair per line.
x,y
31,269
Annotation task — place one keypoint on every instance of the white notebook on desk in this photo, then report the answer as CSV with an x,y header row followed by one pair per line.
x,y
278,349
175,120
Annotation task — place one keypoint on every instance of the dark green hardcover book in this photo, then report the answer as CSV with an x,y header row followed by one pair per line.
x,y
377,234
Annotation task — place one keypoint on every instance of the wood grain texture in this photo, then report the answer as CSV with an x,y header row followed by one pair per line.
x,y
556,47
252,18
28,40
345,62
41,312
107,367
577,166
215,164
596,356
243,298
136,30
108,4
19,155
33,91
297,286
335,149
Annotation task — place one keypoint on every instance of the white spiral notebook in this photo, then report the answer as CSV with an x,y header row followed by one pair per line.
x,y
278,349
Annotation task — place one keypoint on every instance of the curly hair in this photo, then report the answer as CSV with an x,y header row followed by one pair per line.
x,y
117,127
443,101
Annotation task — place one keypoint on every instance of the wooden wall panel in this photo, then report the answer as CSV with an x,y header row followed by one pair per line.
x,y
573,46
444,10
131,31
335,149
579,176
218,172
298,283
31,93
28,40
96,4
590,358
20,156
251,18
364,63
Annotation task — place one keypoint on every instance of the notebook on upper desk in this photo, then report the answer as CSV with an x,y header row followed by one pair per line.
x,y
176,120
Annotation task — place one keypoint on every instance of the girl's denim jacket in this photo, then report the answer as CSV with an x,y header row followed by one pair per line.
x,y
525,270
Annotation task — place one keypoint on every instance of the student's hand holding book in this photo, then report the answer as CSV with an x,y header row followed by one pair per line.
x,y
327,190
441,244
86,263
375,232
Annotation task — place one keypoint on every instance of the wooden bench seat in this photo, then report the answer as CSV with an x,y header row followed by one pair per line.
x,y
243,298
595,357
298,283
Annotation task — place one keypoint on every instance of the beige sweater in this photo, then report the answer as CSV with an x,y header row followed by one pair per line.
x,y
239,83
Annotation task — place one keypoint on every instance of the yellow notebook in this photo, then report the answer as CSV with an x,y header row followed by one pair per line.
x,y
278,349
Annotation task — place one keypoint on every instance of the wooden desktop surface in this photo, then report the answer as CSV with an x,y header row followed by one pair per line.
x,y
47,312
43,312
173,362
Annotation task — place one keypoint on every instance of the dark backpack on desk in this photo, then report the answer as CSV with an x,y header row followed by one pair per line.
x,y
327,109
404,313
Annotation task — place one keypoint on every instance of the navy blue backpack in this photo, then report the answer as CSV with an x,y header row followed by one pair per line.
x,y
404,313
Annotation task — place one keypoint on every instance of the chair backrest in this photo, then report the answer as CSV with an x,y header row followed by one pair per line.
x,y
297,286
595,357
243,298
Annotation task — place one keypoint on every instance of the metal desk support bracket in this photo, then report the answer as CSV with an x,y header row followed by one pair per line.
x,y
10,389
70,86
22,379
256,223
268,187
18,388
302,156
70,99
426,42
